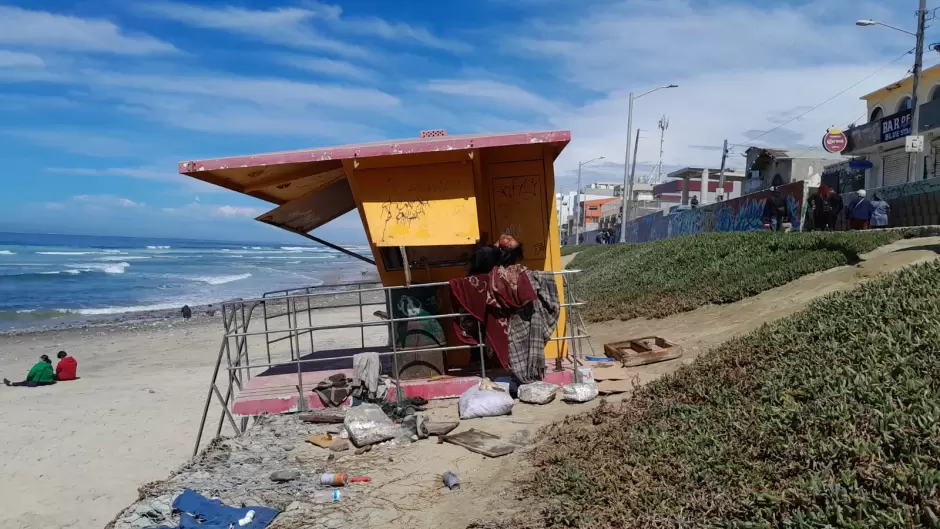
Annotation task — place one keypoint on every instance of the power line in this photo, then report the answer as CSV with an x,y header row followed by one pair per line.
x,y
860,81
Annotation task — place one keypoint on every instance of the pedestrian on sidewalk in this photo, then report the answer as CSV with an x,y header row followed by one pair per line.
x,y
879,215
859,212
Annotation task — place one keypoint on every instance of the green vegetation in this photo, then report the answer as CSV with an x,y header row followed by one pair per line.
x,y
669,276
828,418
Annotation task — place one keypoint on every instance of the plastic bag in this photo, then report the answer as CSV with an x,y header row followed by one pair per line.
x,y
367,424
579,392
537,392
476,402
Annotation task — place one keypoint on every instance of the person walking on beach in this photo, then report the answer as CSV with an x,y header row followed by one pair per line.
x,y
859,212
67,368
41,374
880,210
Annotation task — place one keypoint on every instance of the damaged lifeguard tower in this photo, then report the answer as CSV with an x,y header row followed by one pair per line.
x,y
425,205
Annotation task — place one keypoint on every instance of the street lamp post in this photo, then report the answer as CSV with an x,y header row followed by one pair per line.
x,y
580,217
918,66
628,195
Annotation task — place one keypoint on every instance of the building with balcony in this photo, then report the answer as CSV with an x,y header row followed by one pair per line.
x,y
767,167
687,182
880,141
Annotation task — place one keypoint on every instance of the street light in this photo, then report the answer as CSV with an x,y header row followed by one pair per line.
x,y
626,161
577,231
870,22
918,66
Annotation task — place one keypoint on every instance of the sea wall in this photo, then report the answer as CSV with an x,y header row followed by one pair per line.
x,y
739,214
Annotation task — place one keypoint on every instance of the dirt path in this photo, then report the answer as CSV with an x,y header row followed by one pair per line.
x,y
708,326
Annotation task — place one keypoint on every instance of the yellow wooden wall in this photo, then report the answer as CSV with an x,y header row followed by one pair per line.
x,y
514,189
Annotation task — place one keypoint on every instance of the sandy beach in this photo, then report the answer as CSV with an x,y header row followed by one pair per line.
x,y
73,454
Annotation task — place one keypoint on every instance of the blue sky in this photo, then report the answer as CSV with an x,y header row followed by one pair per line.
x,y
100,99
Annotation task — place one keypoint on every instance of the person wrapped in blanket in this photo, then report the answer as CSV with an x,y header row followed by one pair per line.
x,y
515,308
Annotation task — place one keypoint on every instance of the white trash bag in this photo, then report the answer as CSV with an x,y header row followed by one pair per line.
x,y
579,392
477,402
537,392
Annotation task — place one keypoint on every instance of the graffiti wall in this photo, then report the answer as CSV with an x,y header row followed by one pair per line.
x,y
739,214
912,204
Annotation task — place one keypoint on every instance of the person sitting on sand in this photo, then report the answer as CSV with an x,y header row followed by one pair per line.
x,y
186,312
40,375
67,368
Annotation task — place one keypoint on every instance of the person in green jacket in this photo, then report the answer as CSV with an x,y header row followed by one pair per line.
x,y
40,375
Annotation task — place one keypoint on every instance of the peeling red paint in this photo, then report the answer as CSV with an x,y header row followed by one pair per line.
x,y
392,147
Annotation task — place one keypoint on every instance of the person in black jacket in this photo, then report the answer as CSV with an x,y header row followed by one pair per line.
x,y
777,213
507,251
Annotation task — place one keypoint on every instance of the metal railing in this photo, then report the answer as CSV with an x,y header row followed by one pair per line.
x,y
282,326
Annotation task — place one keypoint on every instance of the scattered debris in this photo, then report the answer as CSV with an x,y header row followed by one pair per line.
x,y
480,442
333,479
322,440
451,480
283,476
641,351
340,445
537,392
441,428
367,424
579,392
325,415
481,401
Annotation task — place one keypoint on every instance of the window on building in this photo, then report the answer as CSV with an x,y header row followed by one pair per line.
x,y
934,94
876,115
904,104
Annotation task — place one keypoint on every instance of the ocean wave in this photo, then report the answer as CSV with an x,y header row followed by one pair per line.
x,y
68,253
7,252
159,247
119,310
108,268
219,280
125,258
70,272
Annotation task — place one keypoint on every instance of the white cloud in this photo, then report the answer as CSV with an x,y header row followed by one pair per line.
x,y
42,29
330,67
741,69
75,142
285,25
106,201
15,59
198,210
236,211
494,92
294,26
377,27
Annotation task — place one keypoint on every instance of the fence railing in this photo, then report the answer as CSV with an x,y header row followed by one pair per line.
x,y
289,322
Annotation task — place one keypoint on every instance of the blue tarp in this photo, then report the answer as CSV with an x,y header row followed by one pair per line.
x,y
199,512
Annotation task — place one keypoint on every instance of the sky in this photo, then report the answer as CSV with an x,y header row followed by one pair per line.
x,y
99,99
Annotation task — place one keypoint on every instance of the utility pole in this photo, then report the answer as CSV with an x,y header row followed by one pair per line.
x,y
663,125
918,66
577,201
721,173
626,160
636,147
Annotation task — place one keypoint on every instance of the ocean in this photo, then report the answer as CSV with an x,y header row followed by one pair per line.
x,y
50,280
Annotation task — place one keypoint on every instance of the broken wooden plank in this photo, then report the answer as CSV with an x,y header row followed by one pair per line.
x,y
480,442
441,428
325,415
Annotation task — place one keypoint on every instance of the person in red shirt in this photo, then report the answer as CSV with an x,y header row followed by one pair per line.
x,y
67,367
